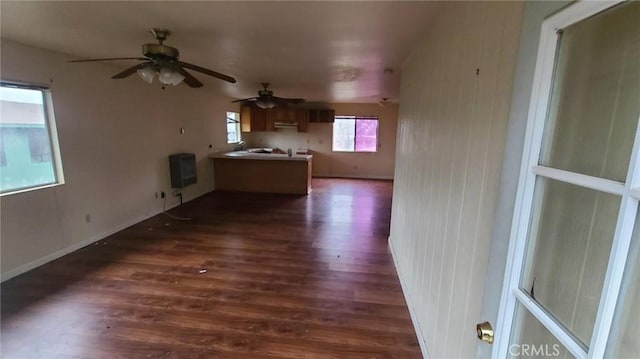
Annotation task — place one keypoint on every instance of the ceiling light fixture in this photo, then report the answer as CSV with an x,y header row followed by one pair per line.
x,y
147,73
265,99
265,104
345,74
166,75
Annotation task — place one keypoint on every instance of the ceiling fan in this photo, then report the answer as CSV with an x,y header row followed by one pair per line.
x,y
163,60
266,100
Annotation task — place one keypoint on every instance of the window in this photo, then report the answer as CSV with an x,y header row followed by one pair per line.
x,y
28,142
355,134
3,158
39,145
233,127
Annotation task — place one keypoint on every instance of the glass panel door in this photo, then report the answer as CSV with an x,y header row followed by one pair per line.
x,y
578,194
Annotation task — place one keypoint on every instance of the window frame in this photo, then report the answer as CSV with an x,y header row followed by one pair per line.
x,y
52,131
355,124
238,129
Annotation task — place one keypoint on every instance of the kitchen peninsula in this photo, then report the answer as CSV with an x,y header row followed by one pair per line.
x,y
247,171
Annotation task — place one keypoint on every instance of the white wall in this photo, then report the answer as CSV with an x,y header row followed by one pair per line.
x,y
115,138
454,103
340,164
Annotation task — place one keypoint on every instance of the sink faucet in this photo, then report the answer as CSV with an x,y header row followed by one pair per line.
x,y
240,146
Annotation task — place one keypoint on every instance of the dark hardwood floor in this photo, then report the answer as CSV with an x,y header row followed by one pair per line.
x,y
250,276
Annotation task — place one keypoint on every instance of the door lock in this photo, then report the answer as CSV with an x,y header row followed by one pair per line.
x,y
485,332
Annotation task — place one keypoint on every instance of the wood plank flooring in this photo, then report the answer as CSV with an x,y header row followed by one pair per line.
x,y
250,276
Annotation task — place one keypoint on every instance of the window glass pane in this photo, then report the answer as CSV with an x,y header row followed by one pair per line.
x,y
366,135
344,134
232,134
530,339
594,107
24,137
571,233
624,341
39,145
3,158
233,127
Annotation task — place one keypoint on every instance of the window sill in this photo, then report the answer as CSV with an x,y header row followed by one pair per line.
x,y
24,190
354,151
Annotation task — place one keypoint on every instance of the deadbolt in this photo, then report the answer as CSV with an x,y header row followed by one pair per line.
x,y
485,332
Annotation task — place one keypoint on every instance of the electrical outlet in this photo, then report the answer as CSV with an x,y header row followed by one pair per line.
x,y
161,194
87,218
156,195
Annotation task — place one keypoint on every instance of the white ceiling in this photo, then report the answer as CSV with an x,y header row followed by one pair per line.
x,y
321,51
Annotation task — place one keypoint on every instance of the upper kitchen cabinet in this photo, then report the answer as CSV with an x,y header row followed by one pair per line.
x,y
253,119
327,116
296,117
286,114
302,117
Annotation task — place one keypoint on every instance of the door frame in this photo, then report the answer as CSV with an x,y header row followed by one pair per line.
x,y
530,170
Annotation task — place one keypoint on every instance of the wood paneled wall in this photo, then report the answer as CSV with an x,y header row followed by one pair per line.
x,y
454,105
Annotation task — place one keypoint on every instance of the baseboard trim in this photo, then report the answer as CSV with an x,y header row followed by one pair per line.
x,y
74,247
407,298
354,176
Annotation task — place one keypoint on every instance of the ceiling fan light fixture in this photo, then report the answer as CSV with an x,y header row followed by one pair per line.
x,y
265,99
147,73
169,77
265,104
176,78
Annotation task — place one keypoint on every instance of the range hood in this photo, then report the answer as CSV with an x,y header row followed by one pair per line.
x,y
285,125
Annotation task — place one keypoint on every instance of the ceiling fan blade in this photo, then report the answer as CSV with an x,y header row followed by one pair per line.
x,y
287,100
207,72
113,58
246,99
128,72
188,78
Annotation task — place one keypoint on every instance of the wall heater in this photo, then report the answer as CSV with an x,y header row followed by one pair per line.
x,y
183,169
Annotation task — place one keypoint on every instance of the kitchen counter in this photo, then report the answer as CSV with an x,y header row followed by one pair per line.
x,y
248,155
247,171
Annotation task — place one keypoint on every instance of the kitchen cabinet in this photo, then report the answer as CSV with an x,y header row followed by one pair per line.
x,y
289,115
284,114
302,116
253,119
273,115
268,173
325,116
